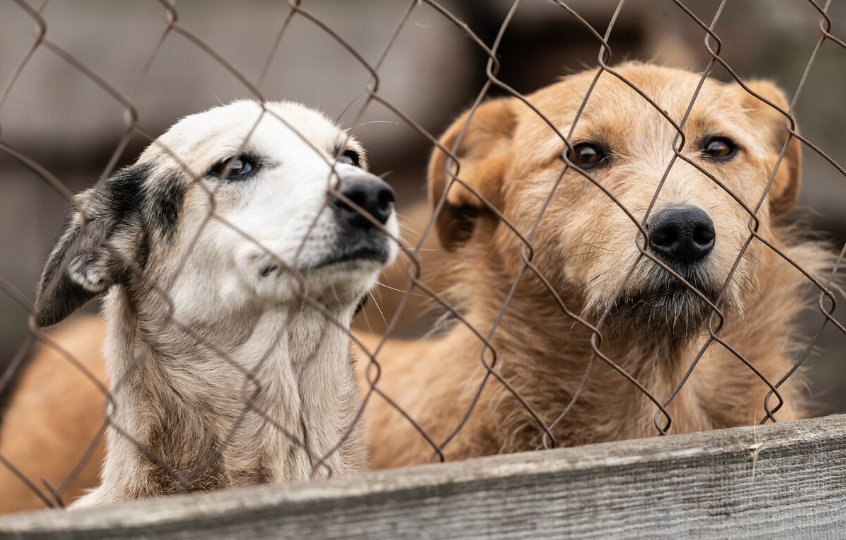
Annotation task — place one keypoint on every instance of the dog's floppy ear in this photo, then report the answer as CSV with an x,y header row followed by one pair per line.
x,y
80,268
770,123
482,154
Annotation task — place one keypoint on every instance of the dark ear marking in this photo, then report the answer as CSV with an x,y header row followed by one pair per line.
x,y
162,204
123,189
66,296
80,267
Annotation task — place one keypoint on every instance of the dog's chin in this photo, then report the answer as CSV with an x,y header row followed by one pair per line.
x,y
356,255
345,259
346,272
670,313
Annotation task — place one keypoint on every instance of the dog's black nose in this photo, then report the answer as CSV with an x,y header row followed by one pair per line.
x,y
371,194
682,235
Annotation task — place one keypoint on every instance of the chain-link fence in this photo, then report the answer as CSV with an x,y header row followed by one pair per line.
x,y
549,329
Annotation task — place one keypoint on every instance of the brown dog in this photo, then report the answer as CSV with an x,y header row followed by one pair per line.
x,y
584,246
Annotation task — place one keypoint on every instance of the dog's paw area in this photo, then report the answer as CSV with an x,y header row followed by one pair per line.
x,y
90,271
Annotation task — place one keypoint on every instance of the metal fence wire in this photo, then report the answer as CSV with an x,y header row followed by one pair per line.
x,y
489,358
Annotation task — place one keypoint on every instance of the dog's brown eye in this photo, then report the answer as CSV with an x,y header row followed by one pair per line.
x,y
350,157
586,155
721,148
234,167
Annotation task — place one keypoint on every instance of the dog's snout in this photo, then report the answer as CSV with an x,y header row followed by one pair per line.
x,y
682,235
369,193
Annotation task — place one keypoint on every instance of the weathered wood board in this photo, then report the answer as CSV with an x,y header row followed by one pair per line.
x,y
779,481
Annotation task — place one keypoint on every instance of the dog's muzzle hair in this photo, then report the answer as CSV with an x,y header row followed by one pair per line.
x,y
360,237
682,238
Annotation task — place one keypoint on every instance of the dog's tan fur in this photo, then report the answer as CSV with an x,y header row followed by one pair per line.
x,y
510,156
584,246
223,326
54,417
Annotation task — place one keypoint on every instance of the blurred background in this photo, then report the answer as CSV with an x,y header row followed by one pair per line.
x,y
59,117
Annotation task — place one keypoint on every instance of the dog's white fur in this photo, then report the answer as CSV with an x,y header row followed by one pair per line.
x,y
219,368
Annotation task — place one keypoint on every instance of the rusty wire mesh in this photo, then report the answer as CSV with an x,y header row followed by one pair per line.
x,y
488,357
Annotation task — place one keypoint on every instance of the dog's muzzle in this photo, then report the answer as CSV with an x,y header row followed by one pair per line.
x,y
682,238
359,238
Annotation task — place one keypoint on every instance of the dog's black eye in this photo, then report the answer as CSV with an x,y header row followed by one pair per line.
x,y
350,157
586,155
721,148
234,167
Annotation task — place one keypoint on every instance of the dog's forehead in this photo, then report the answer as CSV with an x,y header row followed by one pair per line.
x,y
615,109
670,89
206,137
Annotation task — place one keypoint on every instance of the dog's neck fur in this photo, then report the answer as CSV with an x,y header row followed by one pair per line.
x,y
543,355
184,400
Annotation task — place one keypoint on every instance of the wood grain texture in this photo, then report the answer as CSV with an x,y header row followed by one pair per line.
x,y
779,481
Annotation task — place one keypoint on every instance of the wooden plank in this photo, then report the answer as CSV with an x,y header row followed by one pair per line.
x,y
779,481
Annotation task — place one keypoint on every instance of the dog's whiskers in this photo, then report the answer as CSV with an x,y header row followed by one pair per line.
x,y
377,122
398,290
582,262
586,285
403,225
587,253
375,303
759,261
338,119
602,233
598,246
752,286
366,320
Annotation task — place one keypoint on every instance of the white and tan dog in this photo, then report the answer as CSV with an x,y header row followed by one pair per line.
x,y
231,276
